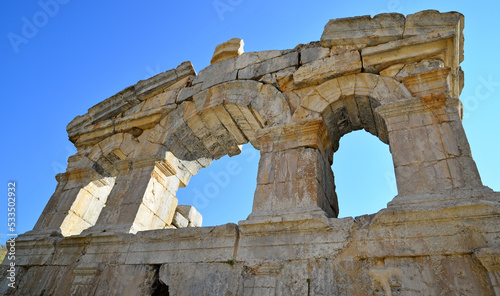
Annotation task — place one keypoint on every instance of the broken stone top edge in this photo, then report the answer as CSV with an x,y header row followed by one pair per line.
x,y
131,93
386,25
341,31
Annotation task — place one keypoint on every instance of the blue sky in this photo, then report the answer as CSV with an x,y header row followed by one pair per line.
x,y
79,53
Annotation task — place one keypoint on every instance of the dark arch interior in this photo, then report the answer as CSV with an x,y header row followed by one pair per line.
x,y
353,113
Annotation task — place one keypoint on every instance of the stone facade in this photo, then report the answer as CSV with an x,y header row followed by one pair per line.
x,y
114,226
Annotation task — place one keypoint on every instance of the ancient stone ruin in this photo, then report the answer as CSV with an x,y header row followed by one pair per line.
x,y
114,226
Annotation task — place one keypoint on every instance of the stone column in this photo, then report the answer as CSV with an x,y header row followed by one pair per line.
x,y
295,177
430,151
143,197
80,195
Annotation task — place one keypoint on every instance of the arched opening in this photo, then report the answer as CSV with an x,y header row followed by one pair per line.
x,y
214,125
364,174
224,191
351,103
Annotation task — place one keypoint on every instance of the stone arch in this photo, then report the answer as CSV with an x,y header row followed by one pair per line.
x,y
216,121
122,145
425,135
348,103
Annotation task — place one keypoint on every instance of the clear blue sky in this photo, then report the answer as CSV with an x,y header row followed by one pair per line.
x,y
82,52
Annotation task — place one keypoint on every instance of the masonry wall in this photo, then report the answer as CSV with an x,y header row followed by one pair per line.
x,y
114,225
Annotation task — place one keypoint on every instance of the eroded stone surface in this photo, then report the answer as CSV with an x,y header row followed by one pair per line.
x,y
113,225
229,49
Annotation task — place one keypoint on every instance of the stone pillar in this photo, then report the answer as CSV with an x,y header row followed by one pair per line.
x,y
430,151
295,176
143,197
490,258
80,195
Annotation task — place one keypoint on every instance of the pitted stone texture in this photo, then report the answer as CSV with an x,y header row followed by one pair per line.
x,y
269,66
364,29
113,225
324,69
310,54
427,21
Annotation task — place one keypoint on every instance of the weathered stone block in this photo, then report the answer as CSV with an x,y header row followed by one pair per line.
x,y
328,68
269,66
229,49
310,54
364,29
426,21
191,214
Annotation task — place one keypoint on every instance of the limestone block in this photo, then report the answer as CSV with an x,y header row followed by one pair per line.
x,y
249,58
124,280
188,92
269,66
310,133
426,21
199,128
160,82
327,68
392,71
229,49
229,123
216,127
191,214
203,279
180,138
185,245
114,105
247,125
179,221
433,45
271,106
167,97
166,209
283,79
290,183
334,50
347,84
364,29
54,280
419,67
428,83
217,73
310,54
255,241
